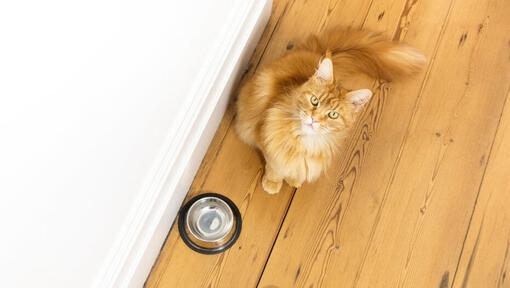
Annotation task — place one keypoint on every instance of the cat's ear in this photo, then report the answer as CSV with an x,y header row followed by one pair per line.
x,y
325,69
359,98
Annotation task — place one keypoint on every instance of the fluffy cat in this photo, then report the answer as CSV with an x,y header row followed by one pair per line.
x,y
296,110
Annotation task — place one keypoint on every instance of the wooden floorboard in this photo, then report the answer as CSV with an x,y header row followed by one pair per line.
x,y
419,197
485,259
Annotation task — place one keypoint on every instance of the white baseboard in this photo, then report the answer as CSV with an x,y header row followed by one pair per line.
x,y
137,248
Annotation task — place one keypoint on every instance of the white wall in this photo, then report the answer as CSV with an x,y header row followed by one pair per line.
x,y
90,92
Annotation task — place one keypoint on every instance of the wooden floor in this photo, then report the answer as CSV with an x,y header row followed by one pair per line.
x,y
420,196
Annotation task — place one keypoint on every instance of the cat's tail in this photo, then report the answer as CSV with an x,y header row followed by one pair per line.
x,y
367,52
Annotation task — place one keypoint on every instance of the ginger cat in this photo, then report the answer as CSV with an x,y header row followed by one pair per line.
x,y
296,110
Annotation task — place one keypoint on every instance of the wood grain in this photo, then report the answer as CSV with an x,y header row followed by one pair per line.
x,y
485,259
418,198
432,194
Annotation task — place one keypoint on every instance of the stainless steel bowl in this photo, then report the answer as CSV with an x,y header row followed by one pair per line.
x,y
210,219
209,223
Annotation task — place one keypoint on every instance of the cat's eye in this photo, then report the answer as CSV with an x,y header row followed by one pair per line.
x,y
314,100
333,114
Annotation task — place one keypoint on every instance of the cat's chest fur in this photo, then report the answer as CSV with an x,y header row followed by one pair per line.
x,y
312,159
312,144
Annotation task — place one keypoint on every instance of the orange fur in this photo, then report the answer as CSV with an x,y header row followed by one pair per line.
x,y
276,111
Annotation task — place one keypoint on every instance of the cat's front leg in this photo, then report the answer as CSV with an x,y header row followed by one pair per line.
x,y
272,180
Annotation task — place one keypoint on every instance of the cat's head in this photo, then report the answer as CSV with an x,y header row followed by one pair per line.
x,y
323,107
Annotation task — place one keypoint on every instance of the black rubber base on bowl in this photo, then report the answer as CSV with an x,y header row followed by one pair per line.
x,y
204,250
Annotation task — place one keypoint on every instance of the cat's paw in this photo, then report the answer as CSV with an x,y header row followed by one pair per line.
x,y
294,183
271,187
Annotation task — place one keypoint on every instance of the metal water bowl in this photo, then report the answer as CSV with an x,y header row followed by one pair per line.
x,y
209,223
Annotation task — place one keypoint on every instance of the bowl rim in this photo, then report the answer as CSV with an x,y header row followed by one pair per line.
x,y
207,250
